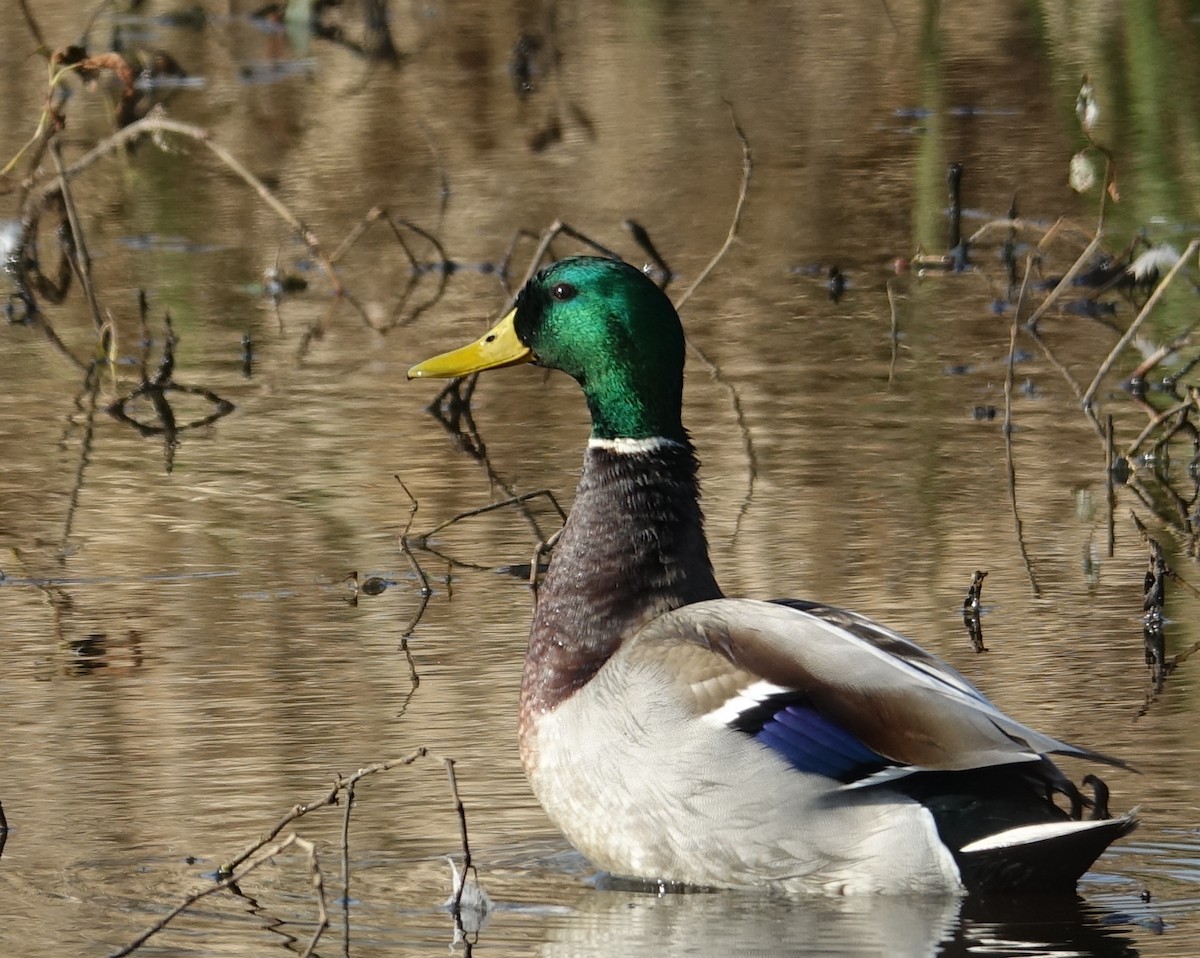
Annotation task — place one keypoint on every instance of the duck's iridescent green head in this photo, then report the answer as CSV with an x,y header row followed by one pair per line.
x,y
606,325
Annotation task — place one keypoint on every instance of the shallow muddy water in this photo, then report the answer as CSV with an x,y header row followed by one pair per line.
x,y
182,657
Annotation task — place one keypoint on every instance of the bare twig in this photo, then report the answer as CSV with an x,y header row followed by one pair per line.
x,y
421,539
1109,180
98,9
82,261
1054,361
972,608
329,798
461,811
373,214
1064,283
1154,423
1137,379
347,807
261,856
156,122
86,401
549,235
739,415
1163,352
426,589
731,235
1017,224
413,677
269,846
642,238
1124,341
895,335
48,123
1153,545
1008,444
440,166
713,370
1110,485
535,563
31,22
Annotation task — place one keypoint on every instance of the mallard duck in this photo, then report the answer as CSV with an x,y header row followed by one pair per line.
x,y
677,735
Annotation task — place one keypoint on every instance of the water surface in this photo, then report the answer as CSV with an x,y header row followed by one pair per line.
x,y
181,660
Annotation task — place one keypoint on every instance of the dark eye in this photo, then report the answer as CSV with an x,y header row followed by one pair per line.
x,y
563,291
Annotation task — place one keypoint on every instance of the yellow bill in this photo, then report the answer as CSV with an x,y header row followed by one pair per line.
x,y
499,346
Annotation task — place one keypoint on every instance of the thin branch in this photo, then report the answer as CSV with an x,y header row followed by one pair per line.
x,y
347,807
461,811
263,855
1124,341
1152,543
440,167
82,261
1064,283
642,238
87,402
1110,486
156,122
548,236
426,590
1017,224
1163,352
713,370
1054,361
731,235
1008,444
31,22
895,335
739,415
329,798
535,564
98,9
491,507
1155,423
373,214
